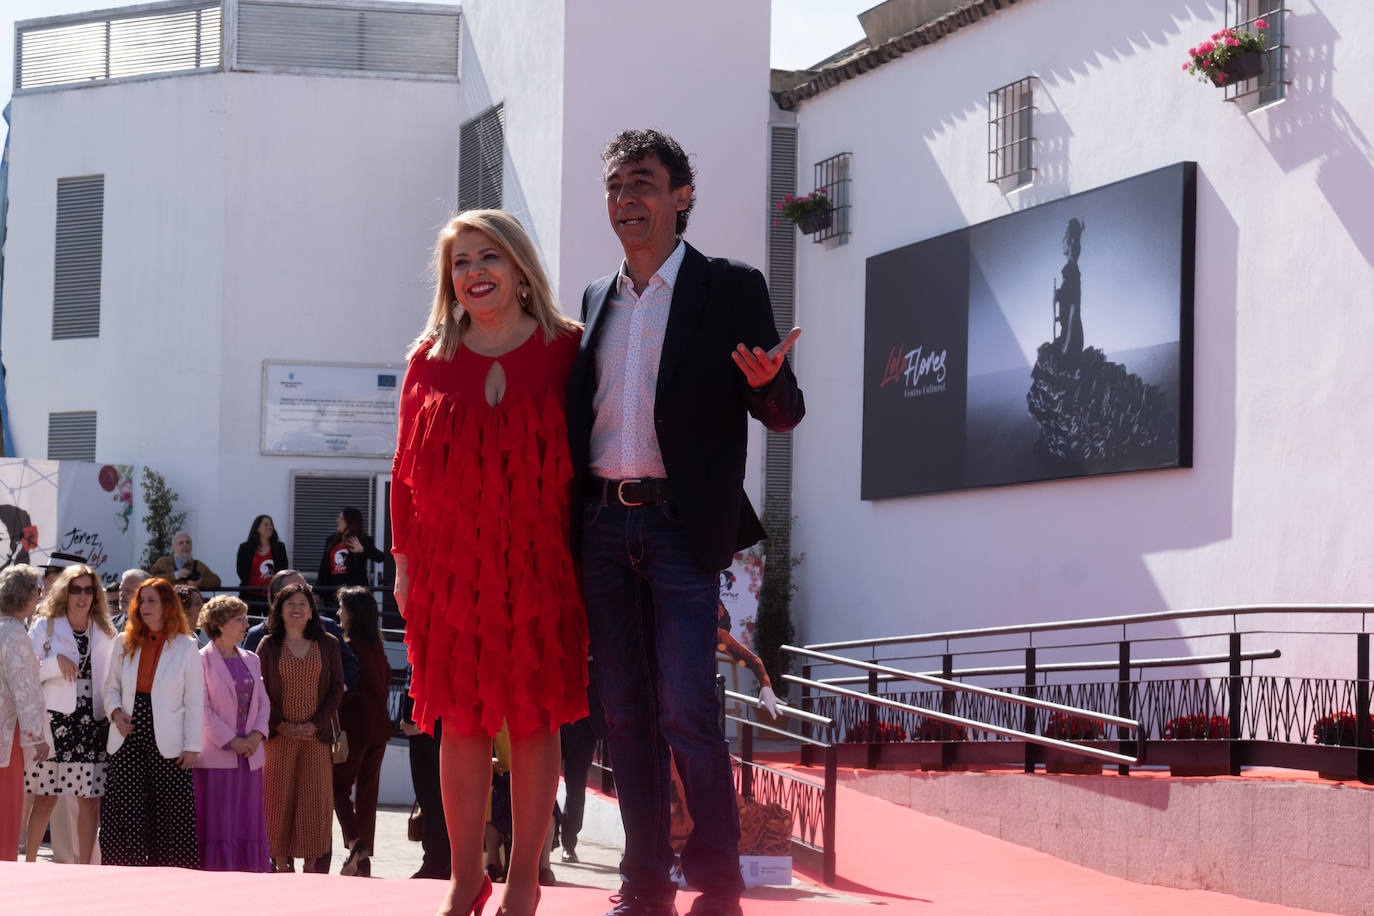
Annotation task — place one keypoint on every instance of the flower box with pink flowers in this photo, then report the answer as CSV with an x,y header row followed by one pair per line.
x,y
1229,56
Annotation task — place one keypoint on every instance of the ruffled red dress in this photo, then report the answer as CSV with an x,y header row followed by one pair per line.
x,y
480,503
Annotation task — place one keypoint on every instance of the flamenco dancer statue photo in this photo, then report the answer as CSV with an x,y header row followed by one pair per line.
x,y
1091,410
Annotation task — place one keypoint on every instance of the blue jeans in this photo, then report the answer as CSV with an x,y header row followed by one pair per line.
x,y
652,617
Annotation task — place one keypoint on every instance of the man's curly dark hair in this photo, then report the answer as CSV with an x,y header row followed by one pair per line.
x,y
634,145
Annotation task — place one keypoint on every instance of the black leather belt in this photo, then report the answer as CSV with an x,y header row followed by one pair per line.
x,y
632,491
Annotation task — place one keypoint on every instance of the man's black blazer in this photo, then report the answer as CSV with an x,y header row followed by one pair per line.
x,y
701,402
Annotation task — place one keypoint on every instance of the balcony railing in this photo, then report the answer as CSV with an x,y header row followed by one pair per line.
x,y
417,41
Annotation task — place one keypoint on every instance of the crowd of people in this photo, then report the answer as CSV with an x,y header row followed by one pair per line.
x,y
560,489
177,755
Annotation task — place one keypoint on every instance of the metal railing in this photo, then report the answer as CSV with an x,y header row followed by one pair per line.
x,y
952,719
812,806
1220,723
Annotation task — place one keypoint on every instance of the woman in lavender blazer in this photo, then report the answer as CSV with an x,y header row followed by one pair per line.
x,y
231,828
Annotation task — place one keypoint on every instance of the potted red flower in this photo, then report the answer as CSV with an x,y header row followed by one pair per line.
x,y
935,730
1068,727
1211,759
810,213
1195,727
1229,56
885,732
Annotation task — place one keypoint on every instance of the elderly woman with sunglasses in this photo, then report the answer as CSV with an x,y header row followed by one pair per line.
x,y
73,638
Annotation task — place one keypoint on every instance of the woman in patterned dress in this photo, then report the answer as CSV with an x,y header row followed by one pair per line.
x,y
155,693
303,672
73,638
480,513
22,712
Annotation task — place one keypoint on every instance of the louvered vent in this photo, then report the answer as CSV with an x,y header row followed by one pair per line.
x,y
353,39
76,280
169,38
782,268
71,436
316,501
481,149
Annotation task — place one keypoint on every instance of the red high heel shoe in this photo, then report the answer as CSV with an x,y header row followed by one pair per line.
x,y
483,896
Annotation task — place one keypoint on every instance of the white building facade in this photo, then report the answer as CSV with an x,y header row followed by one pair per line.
x,y
1273,508
271,178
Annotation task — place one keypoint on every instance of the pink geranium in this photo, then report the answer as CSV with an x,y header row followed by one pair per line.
x,y
1214,60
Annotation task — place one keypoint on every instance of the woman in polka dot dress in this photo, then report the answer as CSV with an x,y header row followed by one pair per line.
x,y
155,693
73,639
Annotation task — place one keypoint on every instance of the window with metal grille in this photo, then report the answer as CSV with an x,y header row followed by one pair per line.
x,y
71,436
832,177
1011,140
1272,81
84,48
77,257
347,39
782,266
481,150
317,498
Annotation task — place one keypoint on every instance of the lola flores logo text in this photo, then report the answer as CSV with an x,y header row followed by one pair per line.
x,y
920,371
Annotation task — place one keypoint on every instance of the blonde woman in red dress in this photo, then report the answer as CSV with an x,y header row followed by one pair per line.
x,y
480,512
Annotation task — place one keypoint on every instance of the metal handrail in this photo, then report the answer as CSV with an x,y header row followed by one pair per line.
x,y
790,712
994,729
1182,661
953,685
1088,622
777,731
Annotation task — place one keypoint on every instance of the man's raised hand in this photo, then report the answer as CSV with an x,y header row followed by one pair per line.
x,y
759,367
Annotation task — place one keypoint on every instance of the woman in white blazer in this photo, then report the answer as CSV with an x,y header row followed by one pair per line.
x,y
231,827
22,716
155,693
73,639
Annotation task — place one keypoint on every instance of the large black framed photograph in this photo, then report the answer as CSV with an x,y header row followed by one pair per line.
x,y
1050,343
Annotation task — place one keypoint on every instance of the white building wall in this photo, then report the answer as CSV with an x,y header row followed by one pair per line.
x,y
247,217
253,217
1275,509
154,375
336,189
513,53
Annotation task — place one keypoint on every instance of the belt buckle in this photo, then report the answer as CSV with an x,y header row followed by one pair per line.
x,y
620,491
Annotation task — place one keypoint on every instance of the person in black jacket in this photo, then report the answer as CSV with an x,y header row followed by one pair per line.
x,y
259,559
346,554
679,350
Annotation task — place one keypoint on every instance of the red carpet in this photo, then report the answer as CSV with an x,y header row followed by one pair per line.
x,y
921,864
891,859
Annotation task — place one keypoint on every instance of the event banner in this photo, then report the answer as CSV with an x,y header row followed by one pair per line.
x,y
331,410
76,507
1053,342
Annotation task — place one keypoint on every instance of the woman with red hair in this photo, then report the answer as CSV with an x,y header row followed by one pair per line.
x,y
155,692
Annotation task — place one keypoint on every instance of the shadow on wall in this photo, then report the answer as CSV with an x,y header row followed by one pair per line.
x,y
1154,23
1310,125
1052,137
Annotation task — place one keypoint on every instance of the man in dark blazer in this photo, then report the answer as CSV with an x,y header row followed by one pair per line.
x,y
678,351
